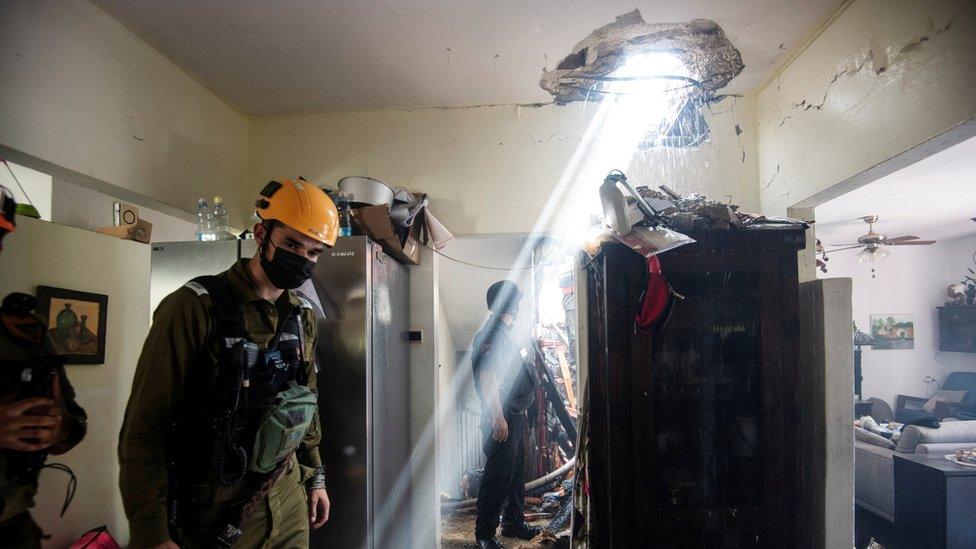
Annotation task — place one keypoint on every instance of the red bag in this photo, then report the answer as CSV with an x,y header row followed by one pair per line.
x,y
96,538
658,300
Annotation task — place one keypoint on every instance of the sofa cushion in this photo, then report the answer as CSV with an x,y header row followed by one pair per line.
x,y
944,395
864,435
949,395
963,381
949,432
943,448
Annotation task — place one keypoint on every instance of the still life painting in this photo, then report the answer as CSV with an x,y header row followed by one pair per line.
x,y
76,323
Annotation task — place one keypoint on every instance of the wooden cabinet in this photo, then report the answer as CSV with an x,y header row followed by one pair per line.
x,y
934,502
695,436
957,329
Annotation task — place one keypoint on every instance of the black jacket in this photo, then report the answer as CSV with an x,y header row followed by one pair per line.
x,y
495,350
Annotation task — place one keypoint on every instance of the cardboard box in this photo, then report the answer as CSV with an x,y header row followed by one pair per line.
x,y
375,222
141,231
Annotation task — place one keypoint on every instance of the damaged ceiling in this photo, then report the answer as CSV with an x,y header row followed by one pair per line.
x,y
300,56
699,46
932,199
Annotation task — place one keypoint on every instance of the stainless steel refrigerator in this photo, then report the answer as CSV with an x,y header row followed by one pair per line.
x,y
362,301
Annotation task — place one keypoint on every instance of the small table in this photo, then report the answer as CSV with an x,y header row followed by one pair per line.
x,y
935,502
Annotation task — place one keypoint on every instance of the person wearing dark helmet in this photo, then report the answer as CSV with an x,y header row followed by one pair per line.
x,y
506,382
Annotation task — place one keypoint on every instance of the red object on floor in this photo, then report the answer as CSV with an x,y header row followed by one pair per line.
x,y
96,538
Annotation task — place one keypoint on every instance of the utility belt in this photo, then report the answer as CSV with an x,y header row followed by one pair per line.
x,y
259,410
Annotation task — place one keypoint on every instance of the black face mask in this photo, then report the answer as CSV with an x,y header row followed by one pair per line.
x,y
286,270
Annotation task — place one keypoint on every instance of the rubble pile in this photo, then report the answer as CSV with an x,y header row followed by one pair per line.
x,y
695,212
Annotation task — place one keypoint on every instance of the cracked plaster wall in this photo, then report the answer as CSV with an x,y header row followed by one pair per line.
x,y
883,77
491,169
79,91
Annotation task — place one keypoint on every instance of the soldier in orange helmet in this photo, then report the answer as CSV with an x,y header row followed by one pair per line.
x,y
223,414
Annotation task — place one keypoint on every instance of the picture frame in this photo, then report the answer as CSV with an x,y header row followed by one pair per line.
x,y
76,323
893,331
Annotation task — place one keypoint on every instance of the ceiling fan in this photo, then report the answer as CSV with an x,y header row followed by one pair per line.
x,y
873,244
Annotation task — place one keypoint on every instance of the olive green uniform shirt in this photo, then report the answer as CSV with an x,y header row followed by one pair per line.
x,y
180,341
17,491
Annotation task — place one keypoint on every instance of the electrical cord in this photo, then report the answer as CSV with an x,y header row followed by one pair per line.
x,y
445,256
72,483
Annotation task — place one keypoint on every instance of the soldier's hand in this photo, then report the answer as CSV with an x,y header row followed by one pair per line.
x,y
318,507
499,430
59,410
27,432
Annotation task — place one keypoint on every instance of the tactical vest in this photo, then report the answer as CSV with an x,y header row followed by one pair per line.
x,y
254,409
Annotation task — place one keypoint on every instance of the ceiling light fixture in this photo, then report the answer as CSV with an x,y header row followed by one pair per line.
x,y
872,254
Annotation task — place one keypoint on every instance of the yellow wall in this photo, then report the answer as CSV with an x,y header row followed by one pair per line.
x,y
883,77
81,92
43,253
492,169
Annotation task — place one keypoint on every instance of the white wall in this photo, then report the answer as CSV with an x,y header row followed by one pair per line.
x,y
28,186
910,280
883,77
82,260
838,444
960,254
81,92
424,437
448,436
492,169
78,206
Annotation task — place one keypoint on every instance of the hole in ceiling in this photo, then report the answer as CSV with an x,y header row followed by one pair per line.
x,y
573,61
682,65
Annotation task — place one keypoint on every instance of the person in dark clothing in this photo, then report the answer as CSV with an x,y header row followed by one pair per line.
x,y
38,412
506,383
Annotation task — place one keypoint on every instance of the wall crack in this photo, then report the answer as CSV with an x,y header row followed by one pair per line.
x,y
767,184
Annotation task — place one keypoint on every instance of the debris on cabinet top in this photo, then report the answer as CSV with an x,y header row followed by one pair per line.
x,y
670,216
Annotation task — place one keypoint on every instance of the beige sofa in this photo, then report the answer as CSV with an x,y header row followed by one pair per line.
x,y
874,483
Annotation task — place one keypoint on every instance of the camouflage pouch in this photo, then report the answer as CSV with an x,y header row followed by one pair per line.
x,y
283,427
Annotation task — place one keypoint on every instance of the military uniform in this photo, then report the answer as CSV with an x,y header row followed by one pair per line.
x,y
177,367
495,350
17,486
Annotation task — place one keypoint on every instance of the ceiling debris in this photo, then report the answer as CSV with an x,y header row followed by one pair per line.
x,y
701,45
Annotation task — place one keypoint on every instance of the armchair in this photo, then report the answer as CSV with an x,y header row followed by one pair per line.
x,y
909,408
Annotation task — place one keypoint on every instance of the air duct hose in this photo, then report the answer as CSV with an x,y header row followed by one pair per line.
x,y
541,481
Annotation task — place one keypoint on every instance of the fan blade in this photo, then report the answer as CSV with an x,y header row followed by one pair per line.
x,y
901,238
843,249
846,244
913,243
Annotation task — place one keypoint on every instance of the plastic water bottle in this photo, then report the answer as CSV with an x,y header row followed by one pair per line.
x,y
204,226
219,220
345,216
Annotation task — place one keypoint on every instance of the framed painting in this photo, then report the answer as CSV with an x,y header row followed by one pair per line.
x,y
893,331
75,323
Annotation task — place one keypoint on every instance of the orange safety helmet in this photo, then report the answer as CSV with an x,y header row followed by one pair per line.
x,y
302,206
8,210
